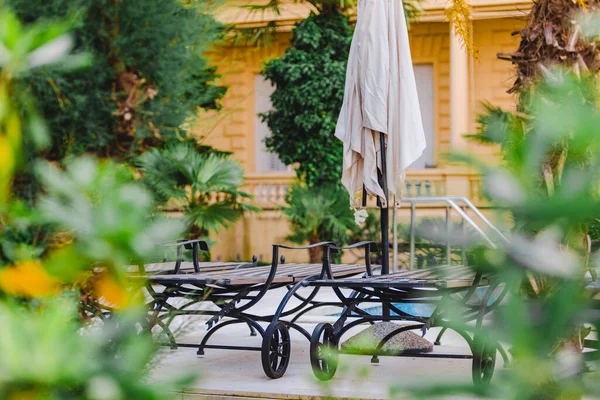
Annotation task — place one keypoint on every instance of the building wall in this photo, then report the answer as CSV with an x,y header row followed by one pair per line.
x,y
233,127
429,44
491,77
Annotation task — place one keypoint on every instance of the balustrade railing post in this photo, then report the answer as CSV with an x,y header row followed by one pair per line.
x,y
395,236
464,244
413,209
448,228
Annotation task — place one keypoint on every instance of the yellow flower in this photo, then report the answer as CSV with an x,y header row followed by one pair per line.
x,y
109,290
460,19
7,159
29,279
13,130
7,165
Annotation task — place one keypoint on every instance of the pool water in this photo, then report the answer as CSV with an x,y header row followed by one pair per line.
x,y
419,309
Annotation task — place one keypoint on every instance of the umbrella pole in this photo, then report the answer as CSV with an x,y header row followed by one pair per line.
x,y
382,330
385,220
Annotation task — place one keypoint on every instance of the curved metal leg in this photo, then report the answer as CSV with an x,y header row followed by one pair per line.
x,y
342,330
170,336
215,328
292,294
438,339
155,320
315,306
297,328
252,330
504,356
484,351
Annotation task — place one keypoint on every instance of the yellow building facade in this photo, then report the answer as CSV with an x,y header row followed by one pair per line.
x,y
452,84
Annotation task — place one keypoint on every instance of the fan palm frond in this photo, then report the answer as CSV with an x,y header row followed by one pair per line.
x,y
161,175
212,217
218,174
323,212
206,184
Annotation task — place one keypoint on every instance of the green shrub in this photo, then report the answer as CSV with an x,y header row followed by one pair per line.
x,y
148,78
309,89
318,214
204,185
55,340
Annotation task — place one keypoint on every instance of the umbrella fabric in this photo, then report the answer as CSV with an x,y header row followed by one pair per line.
x,y
380,95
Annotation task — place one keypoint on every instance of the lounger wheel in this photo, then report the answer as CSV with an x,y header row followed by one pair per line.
x,y
323,352
484,362
276,350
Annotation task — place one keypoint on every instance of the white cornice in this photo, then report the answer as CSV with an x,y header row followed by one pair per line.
x,y
433,11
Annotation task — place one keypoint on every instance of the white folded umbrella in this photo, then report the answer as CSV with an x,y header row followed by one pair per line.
x,y
380,97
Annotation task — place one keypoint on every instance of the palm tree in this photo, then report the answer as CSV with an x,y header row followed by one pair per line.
x,y
549,39
554,37
205,186
318,214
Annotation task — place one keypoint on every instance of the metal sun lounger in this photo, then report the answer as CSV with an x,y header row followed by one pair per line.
x,y
235,293
448,288
183,267
178,267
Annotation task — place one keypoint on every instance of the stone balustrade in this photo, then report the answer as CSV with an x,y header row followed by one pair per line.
x,y
269,190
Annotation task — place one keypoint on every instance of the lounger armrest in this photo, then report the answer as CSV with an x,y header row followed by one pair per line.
x,y
187,244
193,244
248,264
312,246
372,246
369,247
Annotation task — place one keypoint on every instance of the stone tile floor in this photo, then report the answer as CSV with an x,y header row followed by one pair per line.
x,y
226,374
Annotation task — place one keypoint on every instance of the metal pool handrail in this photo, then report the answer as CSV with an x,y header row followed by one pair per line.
x,y
452,202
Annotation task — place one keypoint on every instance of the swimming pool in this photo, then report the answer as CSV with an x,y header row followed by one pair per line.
x,y
420,309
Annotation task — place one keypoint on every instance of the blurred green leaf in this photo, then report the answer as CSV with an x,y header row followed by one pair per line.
x,y
105,209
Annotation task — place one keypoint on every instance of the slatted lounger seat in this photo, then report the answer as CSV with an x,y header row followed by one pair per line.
x,y
180,266
445,287
188,267
444,277
286,274
233,295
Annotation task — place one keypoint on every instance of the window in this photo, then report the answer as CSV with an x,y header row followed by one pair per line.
x,y
424,78
265,161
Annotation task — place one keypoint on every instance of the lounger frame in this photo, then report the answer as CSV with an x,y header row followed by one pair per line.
x,y
236,292
448,289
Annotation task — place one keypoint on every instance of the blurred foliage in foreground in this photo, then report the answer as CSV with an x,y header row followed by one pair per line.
x,y
549,317
149,75
148,80
55,340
